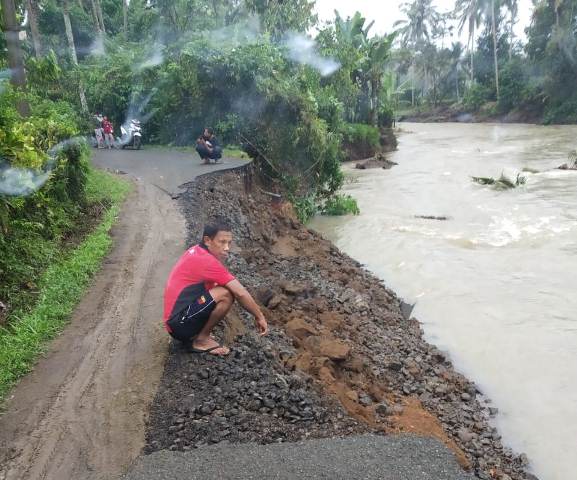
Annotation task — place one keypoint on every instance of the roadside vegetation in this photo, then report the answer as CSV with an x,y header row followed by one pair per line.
x,y
246,68
51,297
495,74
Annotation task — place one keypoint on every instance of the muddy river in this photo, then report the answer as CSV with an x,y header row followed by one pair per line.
x,y
494,285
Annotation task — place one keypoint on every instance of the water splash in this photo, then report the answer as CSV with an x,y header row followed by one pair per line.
x,y
303,50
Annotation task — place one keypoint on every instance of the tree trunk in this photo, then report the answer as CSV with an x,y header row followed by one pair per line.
x,y
412,86
100,16
72,47
374,113
32,7
96,18
473,56
511,35
457,82
68,29
494,28
15,58
125,17
11,34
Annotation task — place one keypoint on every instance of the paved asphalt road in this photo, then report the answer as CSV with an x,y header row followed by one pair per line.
x,y
367,457
161,167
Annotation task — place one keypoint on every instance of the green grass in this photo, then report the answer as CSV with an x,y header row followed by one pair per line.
x,y
233,151
60,287
341,205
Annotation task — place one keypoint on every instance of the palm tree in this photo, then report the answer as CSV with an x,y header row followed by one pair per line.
x,y
495,59
470,12
513,7
456,53
417,29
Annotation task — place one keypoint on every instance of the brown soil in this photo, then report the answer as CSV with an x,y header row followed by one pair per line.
x,y
81,412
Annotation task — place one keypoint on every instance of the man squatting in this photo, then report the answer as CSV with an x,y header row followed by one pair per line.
x,y
200,292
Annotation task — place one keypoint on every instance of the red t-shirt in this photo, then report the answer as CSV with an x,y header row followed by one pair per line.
x,y
195,272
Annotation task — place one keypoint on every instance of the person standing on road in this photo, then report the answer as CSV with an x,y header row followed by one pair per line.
x,y
108,132
200,292
98,130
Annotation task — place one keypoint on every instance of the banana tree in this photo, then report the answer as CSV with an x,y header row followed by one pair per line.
x,y
378,54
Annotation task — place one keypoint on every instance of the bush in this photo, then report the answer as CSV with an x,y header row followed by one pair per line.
x,y
512,84
360,133
340,205
386,116
305,207
476,97
42,190
565,112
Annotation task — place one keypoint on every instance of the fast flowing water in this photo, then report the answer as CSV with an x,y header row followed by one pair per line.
x,y
495,283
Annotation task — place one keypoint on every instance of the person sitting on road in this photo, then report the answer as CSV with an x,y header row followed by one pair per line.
x,y
200,292
208,147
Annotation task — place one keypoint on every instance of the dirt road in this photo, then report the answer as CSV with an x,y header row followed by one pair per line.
x,y
81,413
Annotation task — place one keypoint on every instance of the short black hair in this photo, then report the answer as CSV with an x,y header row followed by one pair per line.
x,y
215,226
209,130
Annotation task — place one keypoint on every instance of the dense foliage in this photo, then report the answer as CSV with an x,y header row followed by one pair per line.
x,y
496,73
42,184
244,67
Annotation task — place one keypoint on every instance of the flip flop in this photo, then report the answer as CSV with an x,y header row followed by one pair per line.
x,y
208,350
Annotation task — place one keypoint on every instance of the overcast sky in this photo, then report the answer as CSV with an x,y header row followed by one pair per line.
x,y
386,12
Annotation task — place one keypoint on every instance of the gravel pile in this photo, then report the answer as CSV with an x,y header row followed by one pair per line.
x,y
336,329
246,397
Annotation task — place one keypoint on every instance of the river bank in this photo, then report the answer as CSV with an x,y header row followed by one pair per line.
x,y
347,359
456,113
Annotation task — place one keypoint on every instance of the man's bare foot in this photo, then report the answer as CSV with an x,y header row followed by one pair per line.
x,y
209,345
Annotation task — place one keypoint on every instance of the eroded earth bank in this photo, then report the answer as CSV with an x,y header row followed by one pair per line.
x,y
341,358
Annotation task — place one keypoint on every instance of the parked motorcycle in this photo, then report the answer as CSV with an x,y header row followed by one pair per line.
x,y
131,136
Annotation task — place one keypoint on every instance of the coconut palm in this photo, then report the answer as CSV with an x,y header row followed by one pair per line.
x,y
513,7
417,29
470,13
495,58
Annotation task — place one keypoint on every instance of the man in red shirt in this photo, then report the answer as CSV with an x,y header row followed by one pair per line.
x,y
200,292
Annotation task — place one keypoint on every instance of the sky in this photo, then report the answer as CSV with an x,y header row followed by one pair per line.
x,y
386,12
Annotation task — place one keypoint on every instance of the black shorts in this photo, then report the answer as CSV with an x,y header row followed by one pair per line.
x,y
189,322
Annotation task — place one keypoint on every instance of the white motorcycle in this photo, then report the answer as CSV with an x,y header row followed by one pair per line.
x,y
131,136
